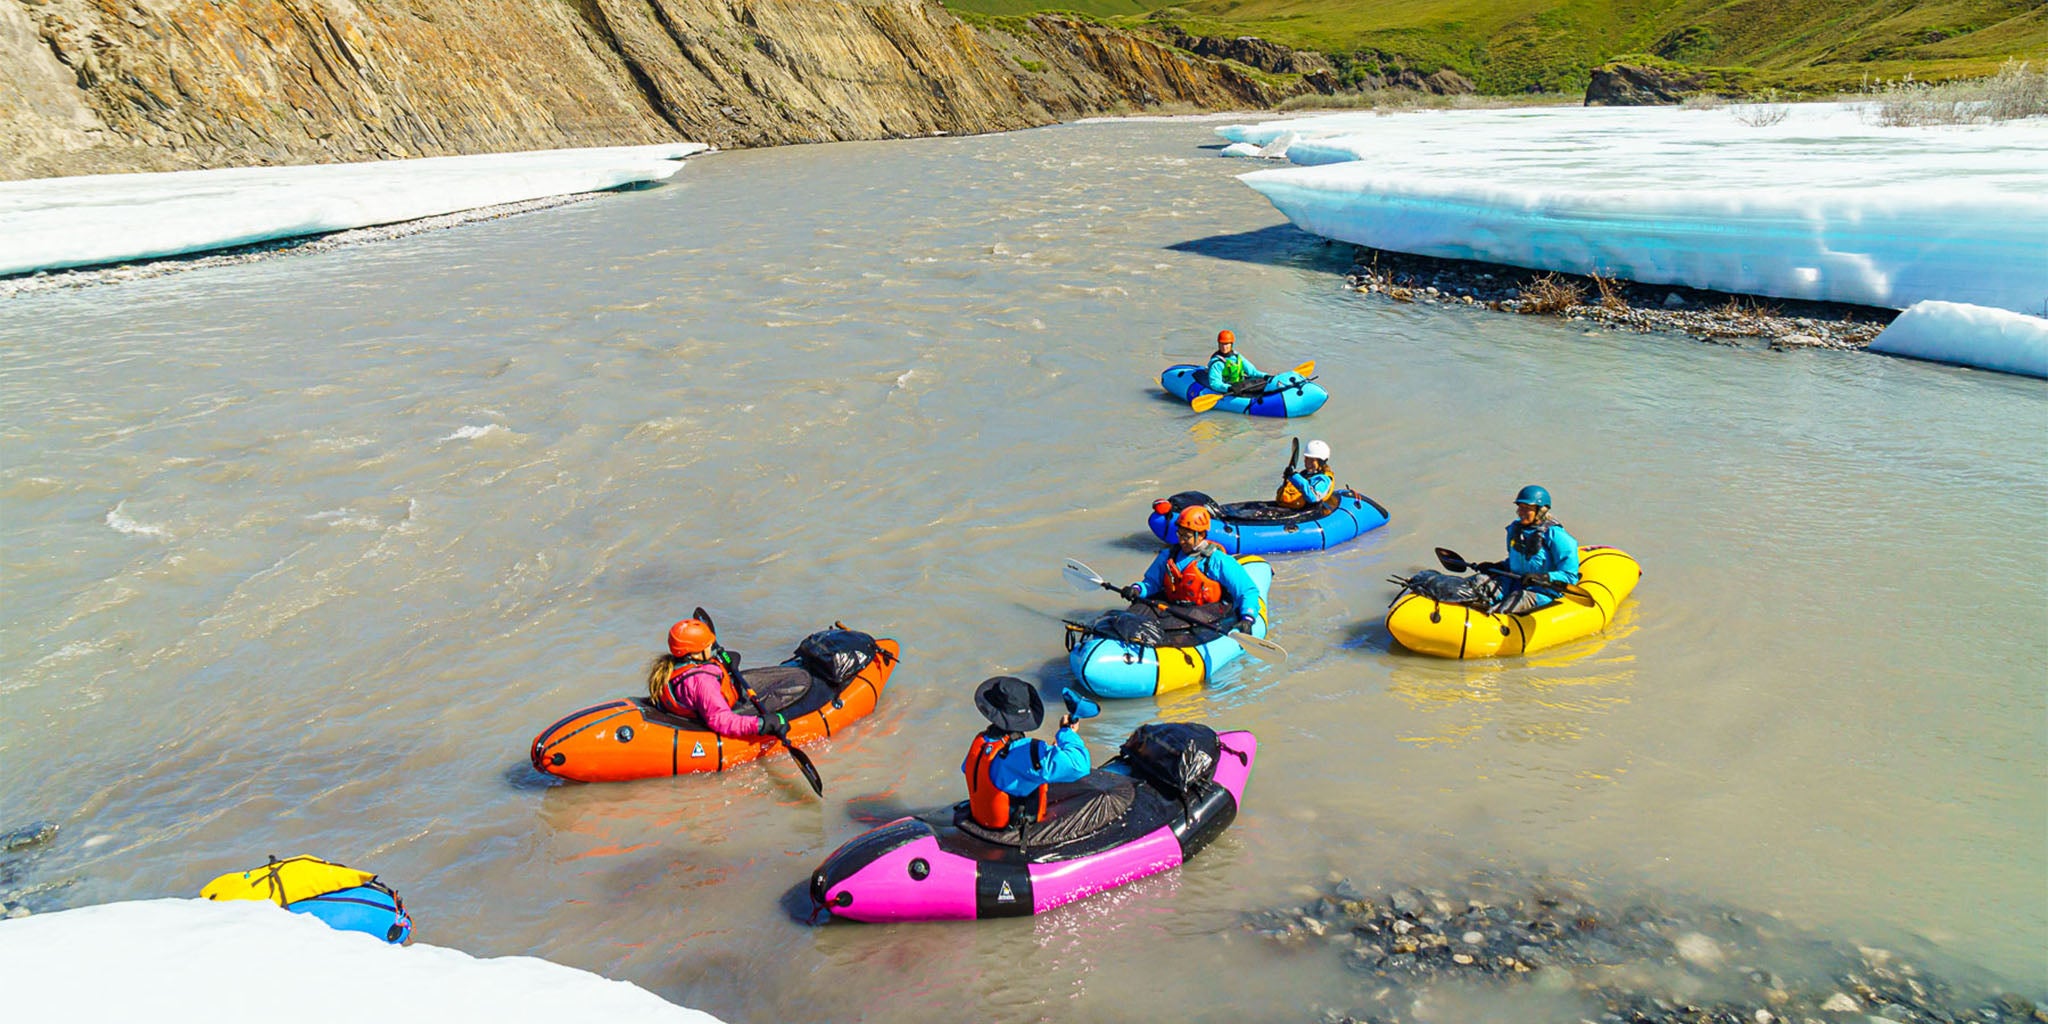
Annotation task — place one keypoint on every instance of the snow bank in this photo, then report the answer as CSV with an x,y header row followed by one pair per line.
x,y
1951,332
109,218
241,961
1818,206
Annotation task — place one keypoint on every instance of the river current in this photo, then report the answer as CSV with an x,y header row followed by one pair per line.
x,y
300,554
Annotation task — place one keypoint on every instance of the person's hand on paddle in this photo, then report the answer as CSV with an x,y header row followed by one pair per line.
x,y
1536,579
1131,593
1244,625
775,725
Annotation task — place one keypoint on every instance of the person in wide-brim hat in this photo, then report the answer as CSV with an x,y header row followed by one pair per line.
x,y
999,767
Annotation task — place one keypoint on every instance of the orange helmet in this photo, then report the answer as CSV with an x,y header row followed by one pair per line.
x,y
1194,518
690,637
1224,336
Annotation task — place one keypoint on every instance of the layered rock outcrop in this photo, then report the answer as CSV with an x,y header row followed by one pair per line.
x,y
92,86
1630,85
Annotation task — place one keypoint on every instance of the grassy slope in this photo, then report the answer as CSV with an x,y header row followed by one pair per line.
x,y
1513,45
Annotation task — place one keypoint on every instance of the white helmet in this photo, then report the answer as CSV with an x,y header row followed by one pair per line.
x,y
1316,450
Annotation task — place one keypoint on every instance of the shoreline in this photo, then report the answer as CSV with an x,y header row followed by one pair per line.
x,y
164,266
1704,315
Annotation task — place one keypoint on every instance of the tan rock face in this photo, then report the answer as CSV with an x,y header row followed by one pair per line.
x,y
114,85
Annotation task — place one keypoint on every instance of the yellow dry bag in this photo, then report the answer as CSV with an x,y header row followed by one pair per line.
x,y
286,881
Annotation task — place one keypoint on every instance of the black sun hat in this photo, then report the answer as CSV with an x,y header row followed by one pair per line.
x,y
1010,703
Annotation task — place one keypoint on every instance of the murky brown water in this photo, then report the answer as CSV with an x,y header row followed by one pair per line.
x,y
299,555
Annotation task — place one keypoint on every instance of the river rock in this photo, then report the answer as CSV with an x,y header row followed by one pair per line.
x,y
1841,1002
32,834
1699,950
1632,85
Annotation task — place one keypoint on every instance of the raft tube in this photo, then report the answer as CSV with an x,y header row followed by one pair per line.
x,y
1266,528
371,909
926,869
1427,626
1288,394
630,738
1114,669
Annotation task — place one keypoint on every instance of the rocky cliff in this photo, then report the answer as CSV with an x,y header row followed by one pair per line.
x,y
90,86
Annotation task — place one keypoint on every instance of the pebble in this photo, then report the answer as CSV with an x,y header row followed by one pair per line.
x,y
1726,320
33,834
19,912
1643,959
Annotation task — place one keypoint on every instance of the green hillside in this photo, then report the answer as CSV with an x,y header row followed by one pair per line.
x,y
1511,46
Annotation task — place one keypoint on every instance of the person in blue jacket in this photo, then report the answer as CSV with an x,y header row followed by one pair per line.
x,y
1542,556
1312,484
1002,763
1197,574
1233,374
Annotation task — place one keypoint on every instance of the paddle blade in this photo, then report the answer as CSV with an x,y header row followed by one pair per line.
x,y
704,617
1307,369
803,764
1259,647
1452,561
1082,577
1079,707
1204,403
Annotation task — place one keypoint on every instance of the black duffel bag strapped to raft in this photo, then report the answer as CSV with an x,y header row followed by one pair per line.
x,y
838,654
1179,758
1475,591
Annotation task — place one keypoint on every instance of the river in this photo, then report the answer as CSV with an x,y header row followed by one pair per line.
x,y
300,554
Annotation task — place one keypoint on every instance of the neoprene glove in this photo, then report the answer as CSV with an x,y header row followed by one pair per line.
x,y
1536,579
1244,625
774,725
1131,593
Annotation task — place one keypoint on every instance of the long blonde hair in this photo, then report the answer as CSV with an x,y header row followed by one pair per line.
x,y
658,674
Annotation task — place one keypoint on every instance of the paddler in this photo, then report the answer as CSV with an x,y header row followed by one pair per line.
x,y
1233,374
1310,485
699,679
1194,573
999,767
1542,557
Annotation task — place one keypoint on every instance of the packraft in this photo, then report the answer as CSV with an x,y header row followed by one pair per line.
x,y
1172,789
835,678
1267,528
346,898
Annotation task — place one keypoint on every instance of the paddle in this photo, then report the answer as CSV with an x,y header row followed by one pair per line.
x,y
1257,646
1204,403
1287,475
1454,562
731,660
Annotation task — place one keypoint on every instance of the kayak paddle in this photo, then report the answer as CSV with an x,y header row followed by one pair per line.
x,y
1204,403
803,760
1454,562
1259,647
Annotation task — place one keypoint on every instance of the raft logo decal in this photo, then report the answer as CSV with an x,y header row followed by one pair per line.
x,y
698,750
1004,895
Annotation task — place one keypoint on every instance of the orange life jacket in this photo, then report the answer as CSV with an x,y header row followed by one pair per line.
x,y
986,801
668,700
1190,585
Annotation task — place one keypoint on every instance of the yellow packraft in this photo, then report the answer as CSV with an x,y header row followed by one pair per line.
x,y
286,881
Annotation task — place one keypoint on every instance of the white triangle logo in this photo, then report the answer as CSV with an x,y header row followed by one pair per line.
x,y
698,750
1004,895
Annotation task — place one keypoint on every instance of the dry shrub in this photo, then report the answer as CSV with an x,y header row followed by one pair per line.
x,y
1551,294
2015,92
1762,111
1610,296
1739,307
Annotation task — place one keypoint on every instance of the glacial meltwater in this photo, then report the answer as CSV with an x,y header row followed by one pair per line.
x,y
300,554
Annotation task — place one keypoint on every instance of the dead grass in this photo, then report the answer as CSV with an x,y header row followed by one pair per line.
x,y
1610,296
2015,92
1762,111
1551,294
1739,307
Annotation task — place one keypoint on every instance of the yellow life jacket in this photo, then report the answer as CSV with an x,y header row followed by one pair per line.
x,y
286,881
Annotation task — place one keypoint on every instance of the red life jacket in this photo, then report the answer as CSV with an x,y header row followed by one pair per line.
x,y
986,801
1191,585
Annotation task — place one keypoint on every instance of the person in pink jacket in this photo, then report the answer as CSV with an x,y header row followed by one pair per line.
x,y
694,680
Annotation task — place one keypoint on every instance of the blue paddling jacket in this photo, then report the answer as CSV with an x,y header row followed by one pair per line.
x,y
1315,488
1237,584
1553,553
1027,764
1227,370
